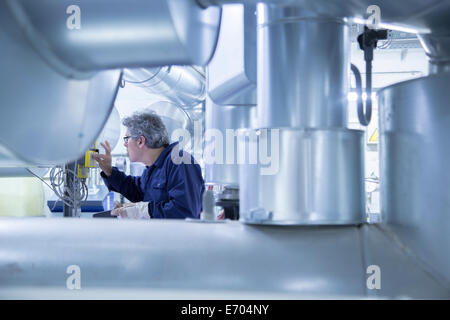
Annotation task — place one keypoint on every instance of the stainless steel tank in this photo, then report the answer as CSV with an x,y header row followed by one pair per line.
x,y
308,176
414,124
303,66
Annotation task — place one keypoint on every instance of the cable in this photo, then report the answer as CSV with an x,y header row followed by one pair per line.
x,y
69,196
363,117
40,178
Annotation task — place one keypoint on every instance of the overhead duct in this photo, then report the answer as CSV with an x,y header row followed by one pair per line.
x,y
183,85
67,102
117,34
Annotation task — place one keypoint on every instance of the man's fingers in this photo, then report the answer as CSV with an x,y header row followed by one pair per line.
x,y
98,157
107,147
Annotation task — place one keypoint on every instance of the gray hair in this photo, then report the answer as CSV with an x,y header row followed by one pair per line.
x,y
149,125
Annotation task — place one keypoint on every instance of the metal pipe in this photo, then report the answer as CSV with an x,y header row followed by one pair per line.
x,y
116,34
42,41
183,85
186,259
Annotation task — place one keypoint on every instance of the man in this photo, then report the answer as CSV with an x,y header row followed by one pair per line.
x,y
173,189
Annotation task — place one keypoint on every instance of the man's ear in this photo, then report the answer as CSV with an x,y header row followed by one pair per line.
x,y
141,142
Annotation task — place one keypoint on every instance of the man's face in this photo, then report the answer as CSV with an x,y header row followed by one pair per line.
x,y
132,148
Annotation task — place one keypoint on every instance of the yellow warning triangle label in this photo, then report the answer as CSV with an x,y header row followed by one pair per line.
x,y
374,136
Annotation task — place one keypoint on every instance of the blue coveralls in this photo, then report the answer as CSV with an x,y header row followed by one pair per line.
x,y
174,191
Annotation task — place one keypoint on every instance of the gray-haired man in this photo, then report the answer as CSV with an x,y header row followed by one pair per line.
x,y
172,189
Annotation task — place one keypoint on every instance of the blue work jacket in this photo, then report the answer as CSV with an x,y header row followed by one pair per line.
x,y
173,190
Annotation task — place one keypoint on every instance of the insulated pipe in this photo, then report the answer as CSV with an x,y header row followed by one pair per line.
x,y
183,85
303,63
162,258
52,51
98,34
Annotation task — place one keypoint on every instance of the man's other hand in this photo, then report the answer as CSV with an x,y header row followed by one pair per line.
x,y
104,160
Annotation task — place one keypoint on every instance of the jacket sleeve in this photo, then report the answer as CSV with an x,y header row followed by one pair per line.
x,y
128,186
185,187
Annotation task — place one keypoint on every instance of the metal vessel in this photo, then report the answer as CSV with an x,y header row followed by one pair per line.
x,y
414,153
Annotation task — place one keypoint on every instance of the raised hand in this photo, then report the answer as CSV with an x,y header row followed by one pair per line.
x,y
104,160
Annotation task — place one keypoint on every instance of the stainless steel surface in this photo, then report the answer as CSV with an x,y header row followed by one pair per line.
x,y
414,126
48,118
436,68
320,178
231,101
437,48
232,70
303,64
183,85
22,172
403,275
220,120
116,34
407,15
221,260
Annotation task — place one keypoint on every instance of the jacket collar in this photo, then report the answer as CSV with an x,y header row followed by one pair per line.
x,y
160,161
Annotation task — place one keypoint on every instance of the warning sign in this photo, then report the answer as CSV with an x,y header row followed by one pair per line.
x,y
374,136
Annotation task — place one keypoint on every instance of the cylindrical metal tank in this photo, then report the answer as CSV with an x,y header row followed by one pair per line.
x,y
303,166
302,177
183,85
303,66
414,123
226,120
